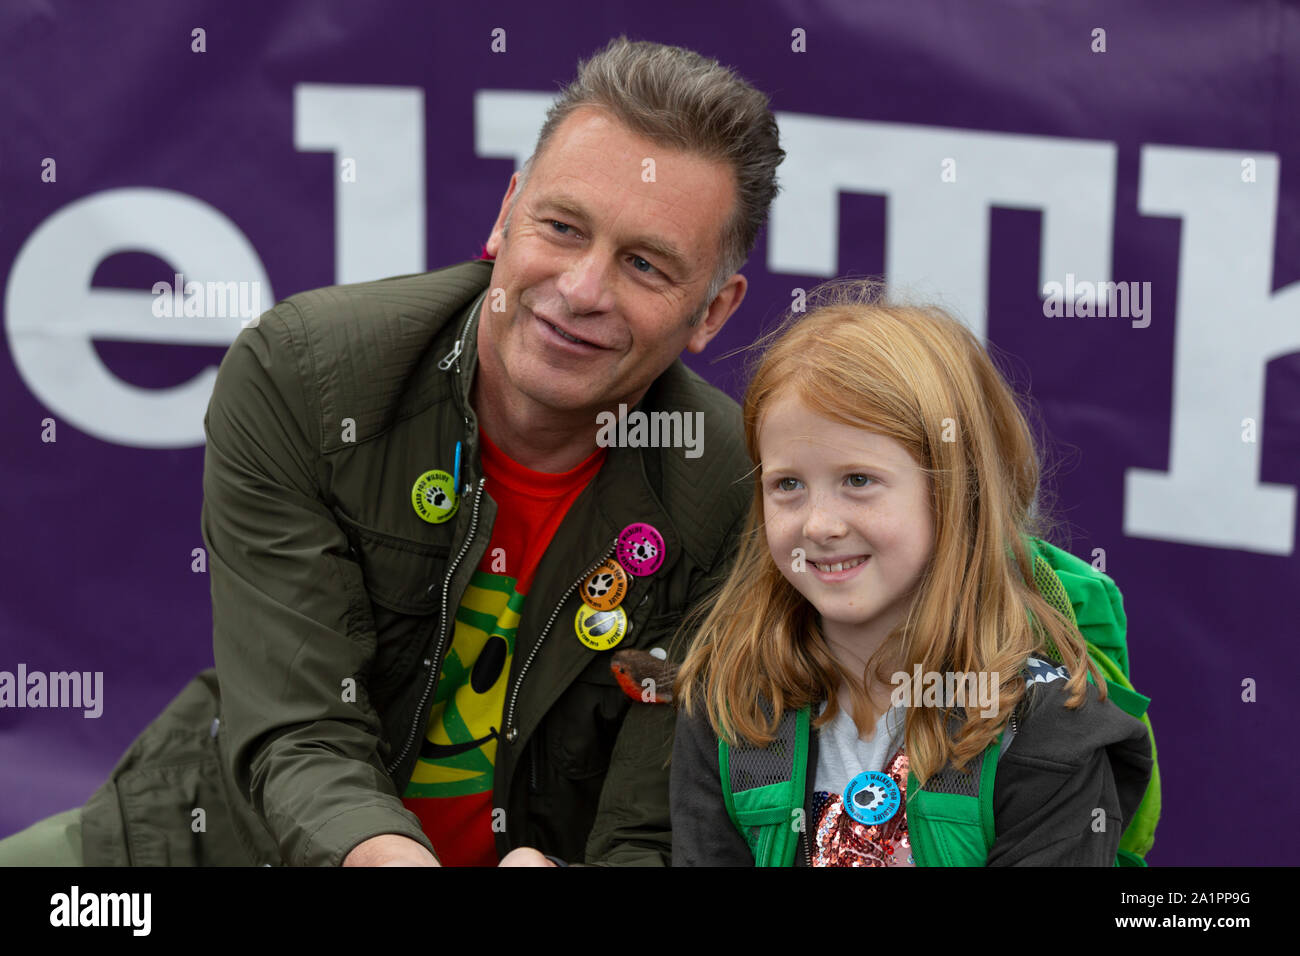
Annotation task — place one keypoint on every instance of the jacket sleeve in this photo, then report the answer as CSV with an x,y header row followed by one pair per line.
x,y
1069,783
633,825
293,636
703,834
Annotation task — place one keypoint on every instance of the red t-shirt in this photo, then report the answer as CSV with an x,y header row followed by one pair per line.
x,y
451,788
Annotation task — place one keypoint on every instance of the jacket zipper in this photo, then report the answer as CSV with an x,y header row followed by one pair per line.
x,y
442,637
512,732
445,362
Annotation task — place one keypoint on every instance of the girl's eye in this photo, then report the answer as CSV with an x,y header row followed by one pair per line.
x,y
859,481
787,484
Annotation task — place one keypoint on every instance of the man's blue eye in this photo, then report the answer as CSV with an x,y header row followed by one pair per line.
x,y
860,481
560,226
638,262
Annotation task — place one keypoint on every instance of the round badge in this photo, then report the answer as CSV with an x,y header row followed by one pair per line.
x,y
605,587
872,797
640,549
600,630
434,496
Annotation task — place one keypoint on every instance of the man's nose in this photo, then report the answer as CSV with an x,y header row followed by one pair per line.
x,y
585,283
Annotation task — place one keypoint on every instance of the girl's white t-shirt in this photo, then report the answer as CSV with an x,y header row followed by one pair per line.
x,y
842,755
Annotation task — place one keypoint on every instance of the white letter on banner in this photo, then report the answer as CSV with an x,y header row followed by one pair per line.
x,y
506,123
1230,325
937,234
378,219
53,314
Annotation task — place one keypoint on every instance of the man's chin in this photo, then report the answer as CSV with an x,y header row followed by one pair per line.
x,y
576,402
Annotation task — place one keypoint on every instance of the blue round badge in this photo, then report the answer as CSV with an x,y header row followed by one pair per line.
x,y
872,797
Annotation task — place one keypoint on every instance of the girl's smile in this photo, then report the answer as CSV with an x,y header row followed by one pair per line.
x,y
841,569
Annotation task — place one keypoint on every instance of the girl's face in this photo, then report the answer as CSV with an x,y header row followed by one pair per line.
x,y
856,506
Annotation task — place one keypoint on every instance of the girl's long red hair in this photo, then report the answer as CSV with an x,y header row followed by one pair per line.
x,y
920,377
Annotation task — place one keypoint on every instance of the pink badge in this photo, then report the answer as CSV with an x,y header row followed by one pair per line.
x,y
640,549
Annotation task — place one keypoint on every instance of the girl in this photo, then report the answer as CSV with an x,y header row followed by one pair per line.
x,y
885,594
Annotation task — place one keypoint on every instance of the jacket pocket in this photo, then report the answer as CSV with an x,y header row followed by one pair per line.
x,y
164,803
584,723
400,574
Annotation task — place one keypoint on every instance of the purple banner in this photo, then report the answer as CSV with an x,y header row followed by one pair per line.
x,y
1108,197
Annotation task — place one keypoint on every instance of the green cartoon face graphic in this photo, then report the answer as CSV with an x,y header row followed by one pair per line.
x,y
458,751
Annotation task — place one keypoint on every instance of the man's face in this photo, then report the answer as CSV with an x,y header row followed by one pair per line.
x,y
596,253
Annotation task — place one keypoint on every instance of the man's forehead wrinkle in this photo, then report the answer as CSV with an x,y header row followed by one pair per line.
x,y
669,212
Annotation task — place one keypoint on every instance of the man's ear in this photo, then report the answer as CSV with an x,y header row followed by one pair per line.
x,y
724,303
498,229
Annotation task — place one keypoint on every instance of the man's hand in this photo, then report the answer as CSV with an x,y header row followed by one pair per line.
x,y
390,849
524,856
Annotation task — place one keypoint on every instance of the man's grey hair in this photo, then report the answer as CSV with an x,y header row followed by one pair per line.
x,y
679,99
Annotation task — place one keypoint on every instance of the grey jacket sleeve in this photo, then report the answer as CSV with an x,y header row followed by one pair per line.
x,y
703,834
1069,783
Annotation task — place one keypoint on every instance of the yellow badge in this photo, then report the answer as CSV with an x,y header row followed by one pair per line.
x,y
434,496
600,630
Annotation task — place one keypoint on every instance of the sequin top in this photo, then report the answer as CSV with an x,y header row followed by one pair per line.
x,y
839,840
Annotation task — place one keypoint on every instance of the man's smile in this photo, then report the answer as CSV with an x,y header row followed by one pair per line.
x,y
557,333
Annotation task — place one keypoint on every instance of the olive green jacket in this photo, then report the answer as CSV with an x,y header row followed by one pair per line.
x,y
333,602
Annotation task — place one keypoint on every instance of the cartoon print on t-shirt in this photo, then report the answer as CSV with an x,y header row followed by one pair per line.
x,y
458,751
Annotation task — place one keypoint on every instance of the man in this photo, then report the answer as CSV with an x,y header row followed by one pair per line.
x,y
422,549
